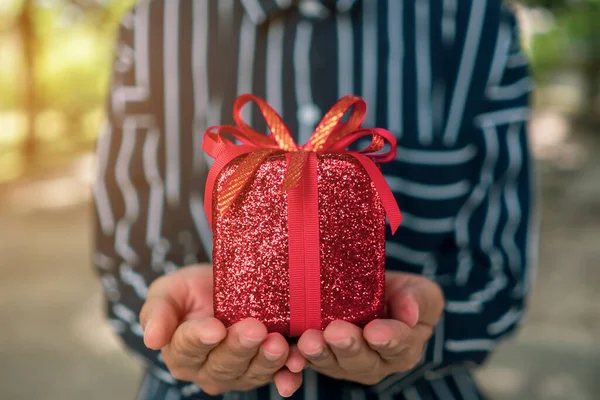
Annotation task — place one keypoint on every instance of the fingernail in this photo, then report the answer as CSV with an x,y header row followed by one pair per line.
x,y
415,317
147,326
381,344
343,344
248,342
273,356
317,355
296,370
210,341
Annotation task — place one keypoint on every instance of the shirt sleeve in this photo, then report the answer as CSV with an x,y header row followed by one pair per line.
x,y
494,231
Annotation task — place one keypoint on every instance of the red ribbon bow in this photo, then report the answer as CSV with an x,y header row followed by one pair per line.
x,y
330,136
300,182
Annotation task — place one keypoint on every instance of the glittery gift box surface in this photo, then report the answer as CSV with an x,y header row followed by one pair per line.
x,y
250,254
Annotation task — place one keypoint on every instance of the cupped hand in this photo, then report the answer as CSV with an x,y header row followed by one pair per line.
x,y
177,318
384,346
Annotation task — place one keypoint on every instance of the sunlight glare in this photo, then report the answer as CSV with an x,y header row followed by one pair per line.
x,y
13,126
50,125
12,165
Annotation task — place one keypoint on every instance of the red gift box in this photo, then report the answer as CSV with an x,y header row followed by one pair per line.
x,y
299,231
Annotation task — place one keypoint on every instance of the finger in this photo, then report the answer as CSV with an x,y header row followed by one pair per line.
x,y
313,347
270,358
427,295
230,359
296,362
192,342
352,352
403,306
388,337
159,318
287,382
165,305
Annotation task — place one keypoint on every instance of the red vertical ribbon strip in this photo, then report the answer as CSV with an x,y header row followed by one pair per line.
x,y
304,251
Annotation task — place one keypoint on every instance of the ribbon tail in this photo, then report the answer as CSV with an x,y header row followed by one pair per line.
x,y
385,193
220,163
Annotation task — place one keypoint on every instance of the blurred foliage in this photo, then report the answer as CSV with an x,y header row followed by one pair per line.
x,y
568,41
72,40
55,70
571,40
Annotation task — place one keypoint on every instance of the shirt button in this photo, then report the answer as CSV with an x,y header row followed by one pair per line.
x,y
309,114
313,9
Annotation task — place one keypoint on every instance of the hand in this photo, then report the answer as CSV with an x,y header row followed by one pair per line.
x,y
178,320
385,346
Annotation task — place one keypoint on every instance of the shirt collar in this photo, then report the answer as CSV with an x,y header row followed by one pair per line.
x,y
260,11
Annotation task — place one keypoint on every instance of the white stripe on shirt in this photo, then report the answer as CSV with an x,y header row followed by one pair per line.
x,y
423,67
303,82
428,192
465,386
427,225
502,117
502,324
101,198
395,67
369,59
128,189
255,11
171,103
133,279
512,91
200,80
201,224
142,45
246,62
449,21
345,45
405,254
311,387
515,159
436,157
274,82
156,196
440,389
459,346
467,65
517,60
474,200
500,55
411,394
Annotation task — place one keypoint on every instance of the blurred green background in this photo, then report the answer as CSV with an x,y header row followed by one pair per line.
x,y
54,72
55,58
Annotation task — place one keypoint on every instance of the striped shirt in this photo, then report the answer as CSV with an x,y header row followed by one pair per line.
x,y
447,77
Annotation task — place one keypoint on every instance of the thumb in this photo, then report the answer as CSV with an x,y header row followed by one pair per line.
x,y
416,300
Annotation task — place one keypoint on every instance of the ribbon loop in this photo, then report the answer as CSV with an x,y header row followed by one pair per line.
x,y
331,129
379,137
279,130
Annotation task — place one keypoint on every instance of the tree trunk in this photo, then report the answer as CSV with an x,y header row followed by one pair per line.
x,y
591,89
28,39
591,74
